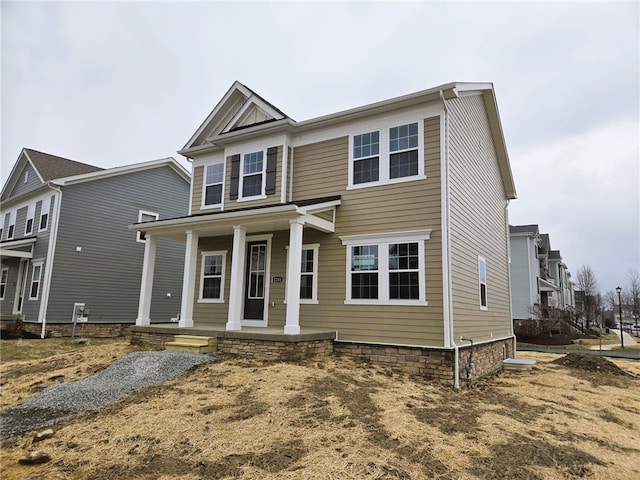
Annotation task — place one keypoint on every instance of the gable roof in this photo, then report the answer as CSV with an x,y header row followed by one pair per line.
x,y
533,229
48,167
235,116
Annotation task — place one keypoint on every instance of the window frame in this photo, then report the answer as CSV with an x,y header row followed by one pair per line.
x,y
31,213
4,280
223,254
11,226
241,196
315,247
140,238
45,208
384,154
383,241
204,205
40,266
482,262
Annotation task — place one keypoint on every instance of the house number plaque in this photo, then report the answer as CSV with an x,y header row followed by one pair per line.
x,y
276,279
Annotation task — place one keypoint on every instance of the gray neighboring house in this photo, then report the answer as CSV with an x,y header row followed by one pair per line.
x,y
66,252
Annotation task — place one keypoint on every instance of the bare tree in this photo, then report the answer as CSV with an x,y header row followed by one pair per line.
x,y
586,281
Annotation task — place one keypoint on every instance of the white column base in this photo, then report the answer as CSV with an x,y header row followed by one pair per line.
x,y
186,323
292,330
234,327
143,321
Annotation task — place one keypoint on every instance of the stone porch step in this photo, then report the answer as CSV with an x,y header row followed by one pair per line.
x,y
192,344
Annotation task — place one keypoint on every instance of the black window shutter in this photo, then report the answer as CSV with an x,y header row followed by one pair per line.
x,y
235,176
272,155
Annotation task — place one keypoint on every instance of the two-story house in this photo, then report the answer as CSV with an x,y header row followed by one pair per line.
x,y
385,225
67,255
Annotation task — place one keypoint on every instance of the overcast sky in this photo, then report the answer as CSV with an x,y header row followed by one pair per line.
x,y
116,83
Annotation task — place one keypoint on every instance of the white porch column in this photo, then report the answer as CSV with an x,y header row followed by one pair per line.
x,y
188,280
292,326
146,283
237,269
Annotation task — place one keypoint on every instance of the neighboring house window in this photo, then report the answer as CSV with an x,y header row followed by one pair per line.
x,y
213,184
212,277
482,277
145,217
44,214
12,225
386,270
34,291
388,155
28,227
309,273
253,169
3,282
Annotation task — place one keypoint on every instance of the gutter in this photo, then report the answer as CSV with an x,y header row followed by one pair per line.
x,y
446,248
53,237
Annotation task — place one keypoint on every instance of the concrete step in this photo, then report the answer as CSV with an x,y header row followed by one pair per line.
x,y
192,344
518,364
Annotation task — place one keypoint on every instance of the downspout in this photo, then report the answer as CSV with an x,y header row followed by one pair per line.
x,y
446,249
508,235
53,237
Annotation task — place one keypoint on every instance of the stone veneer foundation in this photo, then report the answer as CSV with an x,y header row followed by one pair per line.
x,y
93,330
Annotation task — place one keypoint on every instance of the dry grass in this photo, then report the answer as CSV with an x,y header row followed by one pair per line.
x,y
334,418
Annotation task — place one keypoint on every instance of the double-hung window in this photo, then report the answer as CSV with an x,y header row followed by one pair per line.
x,y
44,214
145,217
386,268
482,281
253,174
213,185
212,277
11,225
4,275
36,273
28,226
388,155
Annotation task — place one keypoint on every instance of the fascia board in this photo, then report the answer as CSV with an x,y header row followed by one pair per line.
x,y
17,199
126,169
258,102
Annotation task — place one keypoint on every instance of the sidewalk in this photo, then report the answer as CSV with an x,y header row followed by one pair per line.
x,y
629,341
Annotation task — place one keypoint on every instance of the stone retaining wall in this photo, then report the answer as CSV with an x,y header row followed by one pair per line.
x,y
93,330
275,350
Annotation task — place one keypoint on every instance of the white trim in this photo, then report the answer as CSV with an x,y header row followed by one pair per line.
x,y
223,254
314,295
267,281
384,154
482,261
188,280
283,174
6,280
236,287
220,205
139,238
54,221
34,265
263,173
146,281
21,284
382,241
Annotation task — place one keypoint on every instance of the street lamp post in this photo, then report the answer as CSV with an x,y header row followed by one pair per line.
x,y
619,290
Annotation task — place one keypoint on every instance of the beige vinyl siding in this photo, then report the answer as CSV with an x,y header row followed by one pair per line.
x,y
197,179
321,169
477,224
272,199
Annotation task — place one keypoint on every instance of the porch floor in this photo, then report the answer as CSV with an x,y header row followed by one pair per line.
x,y
275,334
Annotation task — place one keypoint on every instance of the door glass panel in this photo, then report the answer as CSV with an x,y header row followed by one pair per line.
x,y
257,271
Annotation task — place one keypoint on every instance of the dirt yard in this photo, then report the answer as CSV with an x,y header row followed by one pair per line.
x,y
334,418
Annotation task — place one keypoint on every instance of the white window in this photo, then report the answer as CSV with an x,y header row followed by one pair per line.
x,y
11,225
212,277
36,274
392,154
144,216
213,185
26,176
482,280
44,213
308,273
4,275
28,226
386,269
253,176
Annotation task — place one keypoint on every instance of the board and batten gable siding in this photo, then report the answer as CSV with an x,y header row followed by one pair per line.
x,y
321,169
523,280
105,274
478,224
228,204
33,181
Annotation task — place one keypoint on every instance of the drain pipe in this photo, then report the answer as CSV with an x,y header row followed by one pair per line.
x,y
48,268
446,247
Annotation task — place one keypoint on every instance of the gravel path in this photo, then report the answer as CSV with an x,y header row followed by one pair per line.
x,y
58,402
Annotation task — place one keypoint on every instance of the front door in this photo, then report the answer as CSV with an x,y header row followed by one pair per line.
x,y
255,283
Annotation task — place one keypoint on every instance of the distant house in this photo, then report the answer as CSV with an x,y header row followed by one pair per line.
x,y
540,281
66,253
385,225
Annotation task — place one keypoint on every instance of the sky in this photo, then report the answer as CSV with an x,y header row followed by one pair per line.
x,y
115,83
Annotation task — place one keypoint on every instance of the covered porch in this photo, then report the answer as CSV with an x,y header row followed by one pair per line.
x,y
240,227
